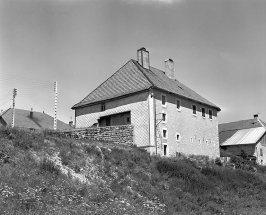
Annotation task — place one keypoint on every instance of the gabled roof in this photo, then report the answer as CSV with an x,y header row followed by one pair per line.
x,y
230,130
38,121
132,77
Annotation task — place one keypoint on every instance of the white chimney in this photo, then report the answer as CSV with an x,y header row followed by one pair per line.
x,y
143,58
256,118
169,68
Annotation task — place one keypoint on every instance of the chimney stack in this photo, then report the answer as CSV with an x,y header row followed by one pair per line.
x,y
143,58
256,118
31,113
169,68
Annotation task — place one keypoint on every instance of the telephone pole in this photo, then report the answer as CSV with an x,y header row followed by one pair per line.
x,y
55,105
13,114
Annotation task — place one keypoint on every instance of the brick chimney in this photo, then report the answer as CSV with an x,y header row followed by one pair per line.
x,y
143,58
169,68
256,118
31,113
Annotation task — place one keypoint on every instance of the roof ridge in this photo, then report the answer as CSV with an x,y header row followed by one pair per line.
x,y
131,60
262,123
140,69
235,121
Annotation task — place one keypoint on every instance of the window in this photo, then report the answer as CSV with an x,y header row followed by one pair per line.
x,y
103,107
178,104
163,100
203,112
128,119
194,108
210,114
164,117
164,133
261,152
164,150
177,136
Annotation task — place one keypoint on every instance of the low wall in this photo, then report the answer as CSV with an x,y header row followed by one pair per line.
x,y
122,134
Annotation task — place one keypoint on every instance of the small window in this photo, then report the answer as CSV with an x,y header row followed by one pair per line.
x,y
194,107
103,107
177,136
178,104
203,112
210,114
164,150
164,133
164,117
261,152
163,100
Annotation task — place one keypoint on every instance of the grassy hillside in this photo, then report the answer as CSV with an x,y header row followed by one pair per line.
x,y
45,174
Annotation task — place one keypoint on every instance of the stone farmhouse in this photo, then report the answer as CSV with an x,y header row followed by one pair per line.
x,y
245,135
167,116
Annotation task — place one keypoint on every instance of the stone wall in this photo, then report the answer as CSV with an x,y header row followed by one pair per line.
x,y
198,135
122,134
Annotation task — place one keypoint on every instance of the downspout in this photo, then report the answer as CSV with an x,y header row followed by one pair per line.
x,y
152,122
154,112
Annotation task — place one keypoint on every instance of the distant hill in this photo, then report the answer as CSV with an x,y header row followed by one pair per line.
x,y
41,173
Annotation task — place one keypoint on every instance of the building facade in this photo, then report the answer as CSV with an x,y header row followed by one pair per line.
x,y
168,117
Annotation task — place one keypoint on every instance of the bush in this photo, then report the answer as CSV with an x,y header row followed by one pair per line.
x,y
48,165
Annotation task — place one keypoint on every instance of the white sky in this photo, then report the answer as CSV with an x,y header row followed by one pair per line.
x,y
219,49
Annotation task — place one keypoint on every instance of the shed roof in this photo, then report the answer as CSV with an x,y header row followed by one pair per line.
x,y
245,136
227,130
38,121
132,78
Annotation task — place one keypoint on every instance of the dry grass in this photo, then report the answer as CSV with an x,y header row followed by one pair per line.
x,y
120,180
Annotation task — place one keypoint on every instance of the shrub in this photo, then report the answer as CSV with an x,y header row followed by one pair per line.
x,y
48,165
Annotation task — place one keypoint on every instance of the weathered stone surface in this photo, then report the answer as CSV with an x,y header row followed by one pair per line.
x,y
122,134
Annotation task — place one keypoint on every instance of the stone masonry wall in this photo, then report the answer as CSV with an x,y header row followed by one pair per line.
x,y
197,135
122,134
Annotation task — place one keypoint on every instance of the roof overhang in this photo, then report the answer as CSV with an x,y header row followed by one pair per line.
x,y
245,136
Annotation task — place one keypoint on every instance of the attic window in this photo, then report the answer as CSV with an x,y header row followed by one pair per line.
x,y
163,100
103,107
178,104
210,114
194,108
203,112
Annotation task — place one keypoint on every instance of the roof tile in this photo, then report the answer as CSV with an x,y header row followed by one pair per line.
x,y
134,78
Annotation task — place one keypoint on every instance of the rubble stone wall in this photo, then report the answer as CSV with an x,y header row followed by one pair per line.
x,y
122,134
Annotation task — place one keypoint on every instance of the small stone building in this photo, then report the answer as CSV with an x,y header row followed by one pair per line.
x,y
167,116
246,137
